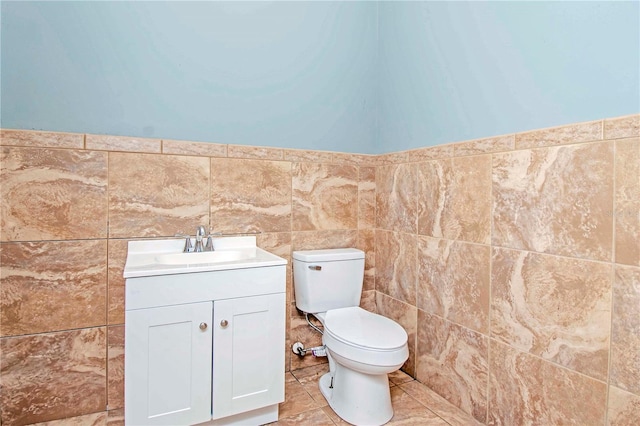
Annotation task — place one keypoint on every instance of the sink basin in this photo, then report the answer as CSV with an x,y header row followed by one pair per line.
x,y
150,258
204,257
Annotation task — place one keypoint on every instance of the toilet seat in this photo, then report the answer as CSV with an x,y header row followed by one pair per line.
x,y
358,327
364,337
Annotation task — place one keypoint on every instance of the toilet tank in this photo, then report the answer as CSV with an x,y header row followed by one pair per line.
x,y
327,279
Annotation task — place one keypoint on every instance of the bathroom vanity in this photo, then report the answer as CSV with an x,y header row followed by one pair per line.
x,y
204,334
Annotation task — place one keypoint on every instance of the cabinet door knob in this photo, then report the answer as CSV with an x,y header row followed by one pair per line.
x,y
224,323
203,326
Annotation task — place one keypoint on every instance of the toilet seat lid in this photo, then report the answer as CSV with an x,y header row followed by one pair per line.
x,y
355,326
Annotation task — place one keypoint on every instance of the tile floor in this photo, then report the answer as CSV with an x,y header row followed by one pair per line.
x,y
413,403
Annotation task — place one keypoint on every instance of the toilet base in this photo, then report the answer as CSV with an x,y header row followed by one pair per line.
x,y
358,398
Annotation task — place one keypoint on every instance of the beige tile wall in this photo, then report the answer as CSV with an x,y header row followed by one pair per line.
x,y
517,260
70,204
513,262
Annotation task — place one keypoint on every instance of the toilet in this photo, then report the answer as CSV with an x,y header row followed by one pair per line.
x,y
362,347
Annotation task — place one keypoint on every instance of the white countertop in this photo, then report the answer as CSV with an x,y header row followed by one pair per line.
x,y
143,257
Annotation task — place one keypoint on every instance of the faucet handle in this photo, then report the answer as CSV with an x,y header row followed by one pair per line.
x,y
209,245
188,248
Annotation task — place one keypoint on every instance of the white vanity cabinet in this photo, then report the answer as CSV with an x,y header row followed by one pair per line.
x,y
248,353
168,365
205,347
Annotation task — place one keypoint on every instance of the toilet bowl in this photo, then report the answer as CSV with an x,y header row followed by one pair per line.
x,y
362,348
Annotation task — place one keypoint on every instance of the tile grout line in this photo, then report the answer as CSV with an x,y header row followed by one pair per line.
x,y
490,311
552,363
399,386
612,280
108,289
612,262
106,378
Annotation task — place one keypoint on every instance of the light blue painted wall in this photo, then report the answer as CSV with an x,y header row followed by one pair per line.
x,y
355,77
278,74
452,71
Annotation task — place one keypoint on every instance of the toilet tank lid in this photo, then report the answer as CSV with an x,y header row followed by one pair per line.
x,y
328,255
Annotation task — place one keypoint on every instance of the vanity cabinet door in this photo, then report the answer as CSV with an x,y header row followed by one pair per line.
x,y
168,365
248,354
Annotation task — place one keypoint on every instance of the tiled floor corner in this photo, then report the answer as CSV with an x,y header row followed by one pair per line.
x,y
413,402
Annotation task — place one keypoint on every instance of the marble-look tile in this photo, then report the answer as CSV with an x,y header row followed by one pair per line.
x,y
325,196
297,399
334,417
486,145
308,156
393,158
309,378
41,139
368,301
123,143
115,367
431,153
434,183
453,361
250,195
555,200
443,408
406,315
255,152
300,331
625,333
396,198
279,244
453,281
116,259
52,285
94,419
528,390
53,376
315,417
314,240
367,198
157,195
623,408
399,377
396,261
354,159
627,201
408,411
622,127
205,149
115,417
52,194
572,133
454,198
553,307
366,243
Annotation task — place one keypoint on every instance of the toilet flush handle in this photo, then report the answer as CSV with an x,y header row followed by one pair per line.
x,y
315,267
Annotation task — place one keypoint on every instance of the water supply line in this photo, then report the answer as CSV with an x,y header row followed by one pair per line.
x,y
299,349
306,315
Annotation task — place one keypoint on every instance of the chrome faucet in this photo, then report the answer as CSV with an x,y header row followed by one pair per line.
x,y
201,245
200,234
